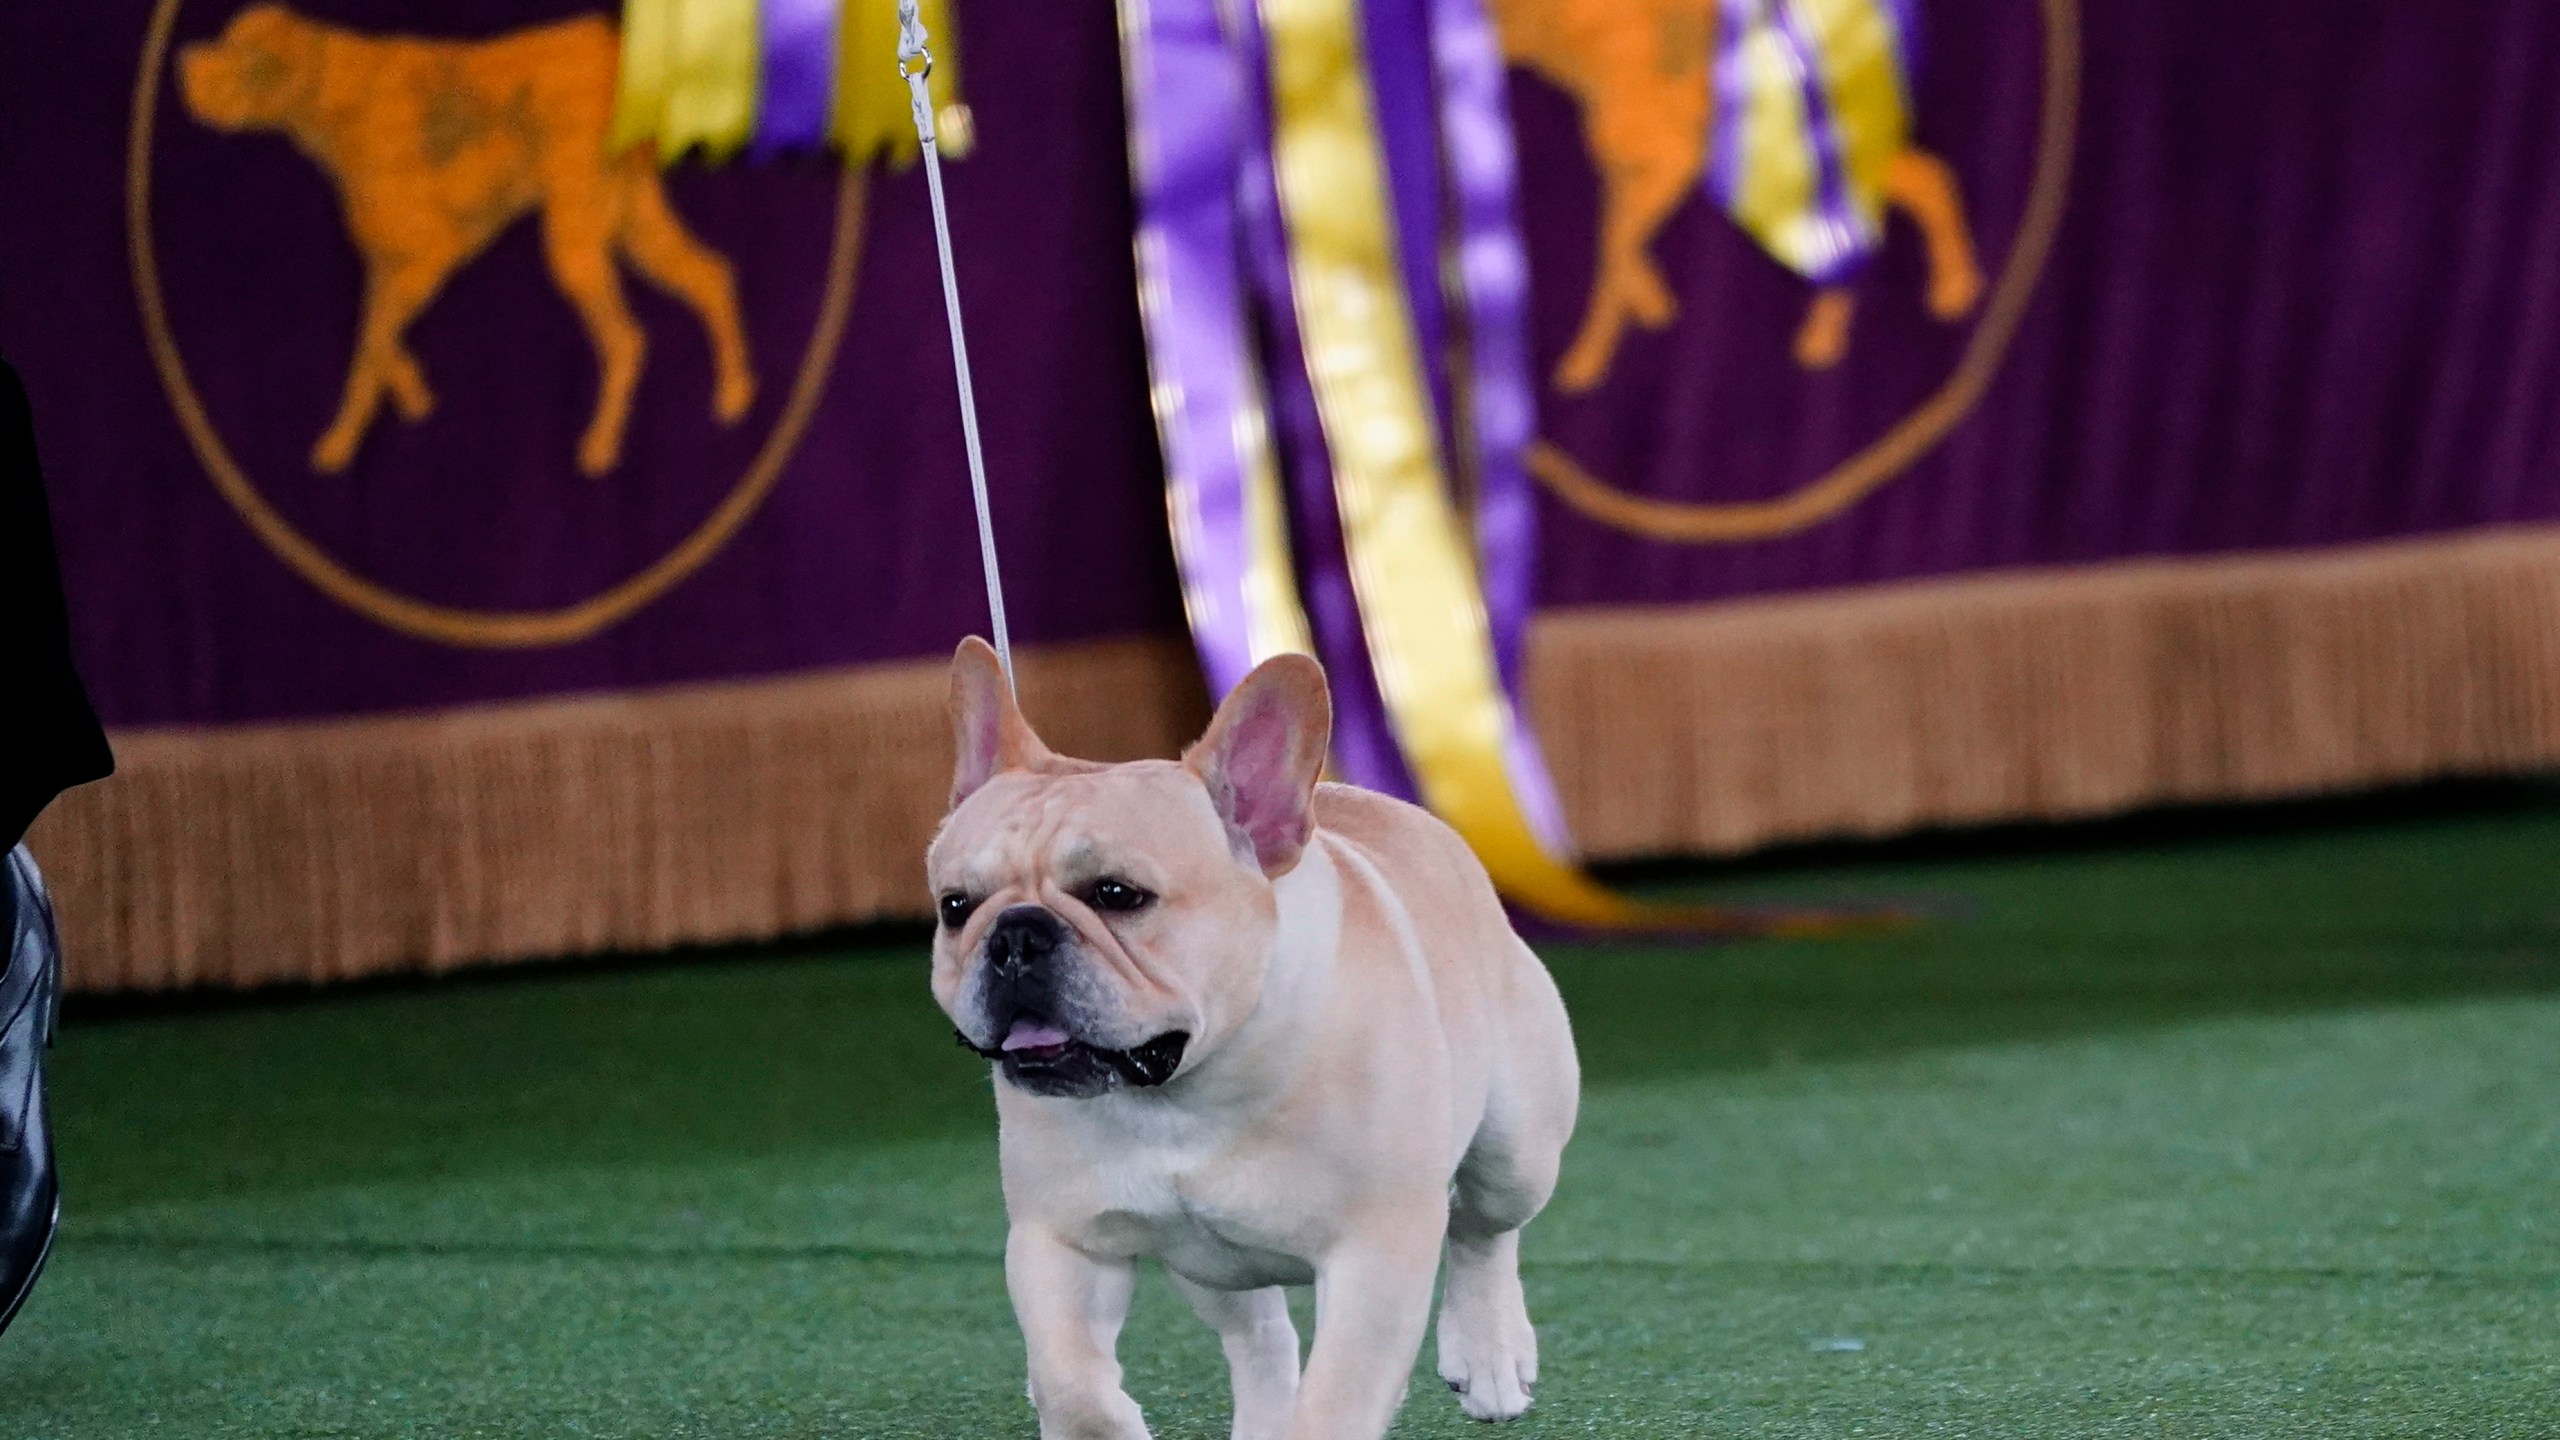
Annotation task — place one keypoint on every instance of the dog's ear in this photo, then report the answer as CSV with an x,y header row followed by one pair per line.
x,y
1262,755
988,734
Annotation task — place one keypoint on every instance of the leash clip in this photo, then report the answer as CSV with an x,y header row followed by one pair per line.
x,y
911,42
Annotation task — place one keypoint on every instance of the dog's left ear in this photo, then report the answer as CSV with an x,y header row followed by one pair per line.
x,y
1262,755
988,734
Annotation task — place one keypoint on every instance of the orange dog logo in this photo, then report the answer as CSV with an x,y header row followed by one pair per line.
x,y
1640,70
438,146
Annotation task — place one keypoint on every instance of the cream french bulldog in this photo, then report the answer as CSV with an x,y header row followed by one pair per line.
x,y
1267,1031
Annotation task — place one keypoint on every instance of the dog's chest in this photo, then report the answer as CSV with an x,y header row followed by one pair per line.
x,y
1226,1220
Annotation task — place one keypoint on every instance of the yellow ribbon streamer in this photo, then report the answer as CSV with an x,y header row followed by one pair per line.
x,y
1857,54
688,76
711,97
641,80
1778,198
1411,564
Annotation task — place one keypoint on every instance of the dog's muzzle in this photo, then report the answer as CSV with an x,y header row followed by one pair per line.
x,y
1022,995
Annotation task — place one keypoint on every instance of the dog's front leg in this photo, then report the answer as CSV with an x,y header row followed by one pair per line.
x,y
1373,1299
1070,1306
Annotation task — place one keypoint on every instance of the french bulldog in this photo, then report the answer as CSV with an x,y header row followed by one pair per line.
x,y
1266,1030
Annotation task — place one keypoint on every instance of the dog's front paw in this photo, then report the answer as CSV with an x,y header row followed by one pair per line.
x,y
1490,1361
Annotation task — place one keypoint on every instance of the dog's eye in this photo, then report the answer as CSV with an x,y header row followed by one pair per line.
x,y
956,907
1117,895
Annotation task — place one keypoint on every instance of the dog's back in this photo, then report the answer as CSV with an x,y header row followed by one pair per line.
x,y
487,114
1423,863
1483,978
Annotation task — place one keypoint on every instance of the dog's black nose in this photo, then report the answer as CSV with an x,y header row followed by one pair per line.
x,y
1022,940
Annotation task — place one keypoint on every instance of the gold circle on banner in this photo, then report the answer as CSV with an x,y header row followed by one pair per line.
x,y
1920,431
454,625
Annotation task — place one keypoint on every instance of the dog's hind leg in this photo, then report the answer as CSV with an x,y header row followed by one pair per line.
x,y
663,250
408,384
581,255
1488,1349
393,297
1926,190
1261,1343
1650,147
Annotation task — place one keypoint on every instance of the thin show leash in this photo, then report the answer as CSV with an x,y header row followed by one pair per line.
x,y
915,63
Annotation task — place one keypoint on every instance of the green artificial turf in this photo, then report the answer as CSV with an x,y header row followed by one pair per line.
x,y
2234,1134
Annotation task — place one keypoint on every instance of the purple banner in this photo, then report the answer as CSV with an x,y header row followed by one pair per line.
x,y
2170,279
2299,293
859,550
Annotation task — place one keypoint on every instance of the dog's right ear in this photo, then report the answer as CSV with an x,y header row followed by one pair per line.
x,y
988,734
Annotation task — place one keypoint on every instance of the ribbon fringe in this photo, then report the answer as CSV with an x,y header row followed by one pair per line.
x,y
1811,103
772,77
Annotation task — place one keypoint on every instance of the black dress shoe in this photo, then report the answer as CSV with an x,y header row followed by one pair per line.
x,y
30,989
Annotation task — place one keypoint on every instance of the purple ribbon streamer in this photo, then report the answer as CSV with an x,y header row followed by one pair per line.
x,y
1188,125
1444,124
798,93
1732,80
1400,42
1201,116
1364,744
1906,35
1492,281
1854,241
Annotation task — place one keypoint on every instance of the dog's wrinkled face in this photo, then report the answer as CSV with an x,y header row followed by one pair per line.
x,y
257,76
1109,925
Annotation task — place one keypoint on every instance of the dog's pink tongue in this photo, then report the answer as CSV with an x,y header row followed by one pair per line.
x,y
1031,1035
